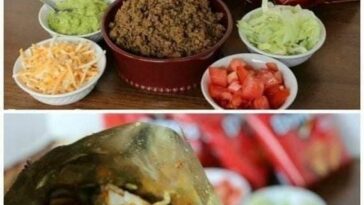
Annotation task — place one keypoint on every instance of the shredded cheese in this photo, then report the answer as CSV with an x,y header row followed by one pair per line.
x,y
58,67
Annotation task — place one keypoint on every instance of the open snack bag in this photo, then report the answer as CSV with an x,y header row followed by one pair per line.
x,y
137,163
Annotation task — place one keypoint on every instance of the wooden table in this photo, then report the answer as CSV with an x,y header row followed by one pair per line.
x,y
330,80
341,188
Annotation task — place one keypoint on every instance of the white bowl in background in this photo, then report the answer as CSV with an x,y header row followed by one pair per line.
x,y
288,195
257,61
66,98
289,60
217,175
43,20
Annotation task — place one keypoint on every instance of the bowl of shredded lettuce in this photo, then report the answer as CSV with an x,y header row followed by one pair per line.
x,y
284,195
288,33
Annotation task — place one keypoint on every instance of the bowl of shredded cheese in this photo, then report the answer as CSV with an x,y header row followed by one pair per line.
x,y
60,71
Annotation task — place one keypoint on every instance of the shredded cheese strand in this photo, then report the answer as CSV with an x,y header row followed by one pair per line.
x,y
58,67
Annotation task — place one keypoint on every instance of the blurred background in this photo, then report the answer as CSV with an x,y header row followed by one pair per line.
x,y
240,153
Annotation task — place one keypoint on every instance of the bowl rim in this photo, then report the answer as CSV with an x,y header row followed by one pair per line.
x,y
84,87
318,45
123,52
285,188
245,182
46,27
281,66
230,175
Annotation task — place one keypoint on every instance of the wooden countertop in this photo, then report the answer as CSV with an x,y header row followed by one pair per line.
x,y
329,80
342,187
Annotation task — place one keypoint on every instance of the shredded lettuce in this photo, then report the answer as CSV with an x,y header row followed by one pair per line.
x,y
288,30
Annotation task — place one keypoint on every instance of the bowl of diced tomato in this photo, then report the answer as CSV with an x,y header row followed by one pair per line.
x,y
249,81
229,186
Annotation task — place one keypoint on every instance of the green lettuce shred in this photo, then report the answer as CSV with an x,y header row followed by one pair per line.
x,y
282,30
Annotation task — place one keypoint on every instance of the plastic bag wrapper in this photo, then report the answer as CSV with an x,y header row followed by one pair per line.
x,y
154,160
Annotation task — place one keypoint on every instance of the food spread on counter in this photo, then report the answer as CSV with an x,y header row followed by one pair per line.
x,y
282,30
77,17
240,86
58,67
166,29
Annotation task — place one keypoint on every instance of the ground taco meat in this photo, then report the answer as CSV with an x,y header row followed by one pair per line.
x,y
166,28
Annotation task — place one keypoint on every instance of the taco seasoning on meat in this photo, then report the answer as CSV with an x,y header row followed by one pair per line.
x,y
166,28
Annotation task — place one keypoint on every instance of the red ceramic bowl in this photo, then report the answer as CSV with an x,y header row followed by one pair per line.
x,y
164,75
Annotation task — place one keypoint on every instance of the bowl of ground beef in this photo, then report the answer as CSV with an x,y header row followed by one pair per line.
x,y
165,45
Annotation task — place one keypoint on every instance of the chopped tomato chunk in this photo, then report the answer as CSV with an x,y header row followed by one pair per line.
x,y
242,74
272,66
218,76
277,95
234,87
261,103
233,76
235,63
252,88
268,78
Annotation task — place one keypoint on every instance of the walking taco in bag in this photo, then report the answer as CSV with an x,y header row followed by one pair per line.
x,y
137,163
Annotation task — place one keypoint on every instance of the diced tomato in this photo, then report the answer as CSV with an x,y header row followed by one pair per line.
x,y
279,77
236,101
268,78
235,63
261,103
242,74
228,194
218,76
272,66
246,104
252,88
249,68
234,87
233,76
216,91
277,95
226,96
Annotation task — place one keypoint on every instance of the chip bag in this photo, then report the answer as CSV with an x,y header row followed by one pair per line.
x,y
303,148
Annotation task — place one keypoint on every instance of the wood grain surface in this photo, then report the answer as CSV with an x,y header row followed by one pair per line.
x,y
329,80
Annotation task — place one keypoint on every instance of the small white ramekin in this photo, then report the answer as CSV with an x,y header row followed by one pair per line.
x,y
43,20
289,60
71,97
258,62
218,175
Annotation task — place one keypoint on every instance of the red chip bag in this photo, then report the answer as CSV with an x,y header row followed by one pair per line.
x,y
228,139
302,148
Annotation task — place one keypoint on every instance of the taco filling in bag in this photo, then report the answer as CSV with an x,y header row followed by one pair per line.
x,y
135,164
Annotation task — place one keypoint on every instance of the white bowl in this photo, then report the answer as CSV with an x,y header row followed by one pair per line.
x,y
290,194
289,60
71,97
43,20
217,175
258,62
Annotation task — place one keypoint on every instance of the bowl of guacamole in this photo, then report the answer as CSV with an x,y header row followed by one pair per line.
x,y
81,18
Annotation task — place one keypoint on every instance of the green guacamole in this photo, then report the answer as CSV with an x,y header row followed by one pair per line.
x,y
83,18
